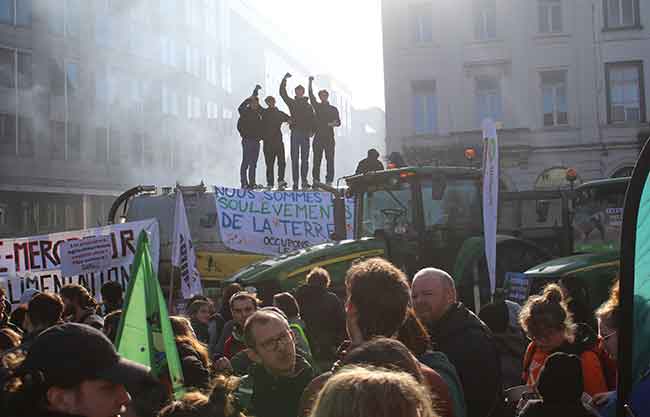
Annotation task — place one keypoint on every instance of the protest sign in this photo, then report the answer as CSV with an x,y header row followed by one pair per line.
x,y
516,287
92,253
276,222
38,261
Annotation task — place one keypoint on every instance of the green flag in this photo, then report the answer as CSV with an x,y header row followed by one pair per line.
x,y
145,334
634,332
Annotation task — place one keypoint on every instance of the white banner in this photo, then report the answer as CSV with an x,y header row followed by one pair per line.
x,y
183,255
36,262
276,222
490,196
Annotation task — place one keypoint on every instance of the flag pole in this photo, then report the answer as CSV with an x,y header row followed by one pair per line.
x,y
171,291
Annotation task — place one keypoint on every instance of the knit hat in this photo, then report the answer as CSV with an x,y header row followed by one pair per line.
x,y
560,380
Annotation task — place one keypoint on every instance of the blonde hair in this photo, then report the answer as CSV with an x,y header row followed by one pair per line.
x,y
548,311
184,334
607,313
357,391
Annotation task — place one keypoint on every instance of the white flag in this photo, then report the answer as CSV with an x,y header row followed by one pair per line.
x,y
183,255
490,196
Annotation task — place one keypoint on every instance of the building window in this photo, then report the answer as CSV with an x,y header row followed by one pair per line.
x,y
114,146
74,142
554,98
488,99
550,16
72,79
135,153
148,150
72,18
7,64
25,70
16,12
421,16
7,134
25,136
193,107
485,19
57,140
7,11
101,144
621,13
425,107
23,12
625,92
169,101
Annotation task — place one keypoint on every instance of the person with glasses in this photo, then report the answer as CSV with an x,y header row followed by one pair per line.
x,y
276,381
609,320
546,320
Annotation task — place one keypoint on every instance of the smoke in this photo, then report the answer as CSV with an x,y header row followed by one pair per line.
x,y
150,95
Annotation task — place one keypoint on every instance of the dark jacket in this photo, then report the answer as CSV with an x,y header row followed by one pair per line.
x,y
92,319
249,124
201,331
369,165
195,373
278,396
302,113
272,119
511,346
324,335
469,345
325,114
215,328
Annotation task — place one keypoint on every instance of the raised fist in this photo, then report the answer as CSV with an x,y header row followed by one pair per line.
x,y
258,87
311,78
287,75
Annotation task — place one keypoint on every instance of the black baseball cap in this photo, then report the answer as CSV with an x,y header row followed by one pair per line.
x,y
68,354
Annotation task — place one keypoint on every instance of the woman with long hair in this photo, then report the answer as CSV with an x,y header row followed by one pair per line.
x,y
199,312
194,356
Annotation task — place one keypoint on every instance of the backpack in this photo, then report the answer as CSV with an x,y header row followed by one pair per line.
x,y
607,365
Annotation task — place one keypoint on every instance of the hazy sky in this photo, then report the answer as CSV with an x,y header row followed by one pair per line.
x,y
345,35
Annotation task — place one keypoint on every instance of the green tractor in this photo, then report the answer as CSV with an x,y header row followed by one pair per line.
x,y
418,217
597,217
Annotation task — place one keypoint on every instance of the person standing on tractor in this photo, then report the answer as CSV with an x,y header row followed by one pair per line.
x,y
250,128
272,120
327,118
302,128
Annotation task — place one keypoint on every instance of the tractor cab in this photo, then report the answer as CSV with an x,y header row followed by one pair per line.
x,y
420,212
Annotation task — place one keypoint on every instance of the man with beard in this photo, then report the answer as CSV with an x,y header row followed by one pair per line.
x,y
80,306
279,376
72,370
463,337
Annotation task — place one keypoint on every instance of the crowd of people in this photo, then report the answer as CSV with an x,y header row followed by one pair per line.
x,y
396,346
